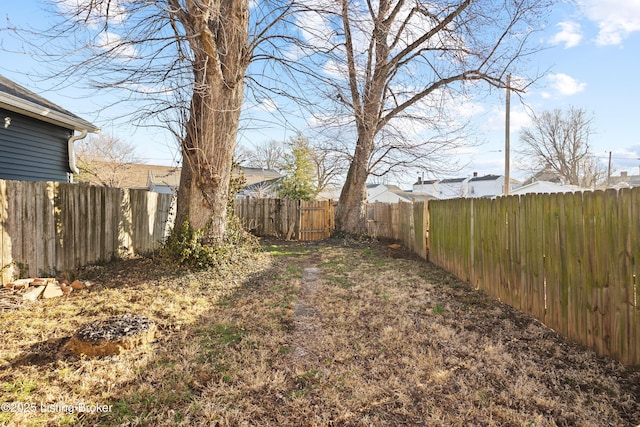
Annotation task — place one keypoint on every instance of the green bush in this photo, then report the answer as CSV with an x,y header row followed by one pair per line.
x,y
187,247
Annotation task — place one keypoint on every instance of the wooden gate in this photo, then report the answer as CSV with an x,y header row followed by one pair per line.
x,y
287,219
316,220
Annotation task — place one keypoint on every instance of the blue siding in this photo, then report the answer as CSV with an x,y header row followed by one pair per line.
x,y
31,150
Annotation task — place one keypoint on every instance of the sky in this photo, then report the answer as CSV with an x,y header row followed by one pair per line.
x,y
591,49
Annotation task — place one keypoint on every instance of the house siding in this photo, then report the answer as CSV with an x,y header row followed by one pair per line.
x,y
32,150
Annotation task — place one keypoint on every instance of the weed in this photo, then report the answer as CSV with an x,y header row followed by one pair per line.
x,y
294,271
19,388
438,309
276,250
69,419
121,410
219,334
309,377
380,263
342,282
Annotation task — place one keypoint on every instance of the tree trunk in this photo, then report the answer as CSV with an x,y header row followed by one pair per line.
x,y
351,213
219,42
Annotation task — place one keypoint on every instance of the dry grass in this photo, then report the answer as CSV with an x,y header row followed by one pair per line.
x,y
374,337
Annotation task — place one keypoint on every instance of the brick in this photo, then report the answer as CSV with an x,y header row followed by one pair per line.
x,y
77,284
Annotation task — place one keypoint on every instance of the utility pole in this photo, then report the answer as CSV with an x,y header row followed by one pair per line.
x,y
507,143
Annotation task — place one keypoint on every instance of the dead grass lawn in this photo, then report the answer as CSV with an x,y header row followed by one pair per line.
x,y
371,337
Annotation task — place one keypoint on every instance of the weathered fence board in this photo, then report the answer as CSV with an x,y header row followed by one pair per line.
x,y
269,217
48,227
570,260
383,220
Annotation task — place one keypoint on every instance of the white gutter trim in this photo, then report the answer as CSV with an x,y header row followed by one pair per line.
x,y
21,106
71,151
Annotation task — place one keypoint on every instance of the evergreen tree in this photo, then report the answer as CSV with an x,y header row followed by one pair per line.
x,y
299,182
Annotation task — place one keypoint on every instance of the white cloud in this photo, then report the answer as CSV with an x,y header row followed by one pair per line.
x,y
564,85
114,43
518,118
94,14
570,34
616,19
268,105
315,29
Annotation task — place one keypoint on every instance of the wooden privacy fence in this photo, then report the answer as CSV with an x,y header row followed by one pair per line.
x,y
405,222
570,260
287,219
314,220
47,227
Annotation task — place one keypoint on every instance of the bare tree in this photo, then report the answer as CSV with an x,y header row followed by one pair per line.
x,y
184,62
392,68
559,140
104,159
268,155
330,166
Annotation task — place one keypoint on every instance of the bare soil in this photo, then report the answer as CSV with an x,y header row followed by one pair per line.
x,y
335,333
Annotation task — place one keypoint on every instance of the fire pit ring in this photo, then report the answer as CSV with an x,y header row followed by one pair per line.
x,y
112,335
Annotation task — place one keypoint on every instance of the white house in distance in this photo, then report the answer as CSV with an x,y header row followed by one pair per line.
x,y
385,193
475,186
489,186
546,187
453,188
430,187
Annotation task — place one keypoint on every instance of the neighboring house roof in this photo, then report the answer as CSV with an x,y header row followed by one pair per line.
x,y
427,182
329,193
546,174
485,178
546,187
375,192
253,175
420,197
394,188
14,97
130,175
452,180
137,175
166,181
261,189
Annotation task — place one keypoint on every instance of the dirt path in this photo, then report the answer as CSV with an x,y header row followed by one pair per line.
x,y
307,330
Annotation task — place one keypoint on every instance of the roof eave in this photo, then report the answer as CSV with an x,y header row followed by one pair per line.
x,y
30,109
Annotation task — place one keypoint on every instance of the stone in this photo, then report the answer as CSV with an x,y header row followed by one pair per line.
x,y
52,290
33,293
112,335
